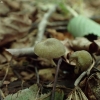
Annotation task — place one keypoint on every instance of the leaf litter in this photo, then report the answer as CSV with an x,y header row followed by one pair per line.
x,y
26,76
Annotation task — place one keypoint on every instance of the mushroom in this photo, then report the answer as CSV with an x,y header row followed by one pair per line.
x,y
81,59
50,48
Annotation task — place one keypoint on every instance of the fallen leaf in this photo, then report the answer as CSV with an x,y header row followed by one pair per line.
x,y
81,43
25,94
47,74
4,9
77,94
93,83
81,26
13,27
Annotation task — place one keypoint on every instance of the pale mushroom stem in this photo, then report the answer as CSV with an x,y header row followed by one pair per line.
x,y
52,62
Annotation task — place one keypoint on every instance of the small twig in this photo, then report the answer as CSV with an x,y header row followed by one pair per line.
x,y
37,75
58,23
72,11
21,52
15,72
43,23
79,78
58,28
89,70
83,74
1,82
97,69
56,77
1,95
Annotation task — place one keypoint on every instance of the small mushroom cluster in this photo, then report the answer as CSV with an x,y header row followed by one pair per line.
x,y
82,60
50,48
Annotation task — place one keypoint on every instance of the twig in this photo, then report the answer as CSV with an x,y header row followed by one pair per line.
x,y
1,82
97,69
1,95
41,29
44,22
56,77
83,74
37,75
21,52
58,23
15,72
72,11
79,78
89,70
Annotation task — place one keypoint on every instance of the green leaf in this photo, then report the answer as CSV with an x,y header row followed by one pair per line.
x,y
32,93
25,94
59,95
81,26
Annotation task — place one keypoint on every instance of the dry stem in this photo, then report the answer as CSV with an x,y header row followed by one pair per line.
x,y
83,74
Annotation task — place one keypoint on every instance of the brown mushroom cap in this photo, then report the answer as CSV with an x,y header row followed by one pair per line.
x,y
50,48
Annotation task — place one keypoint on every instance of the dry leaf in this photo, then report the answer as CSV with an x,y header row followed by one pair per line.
x,y
7,55
57,35
13,27
30,93
2,59
4,9
66,43
26,41
13,4
77,94
81,43
26,75
98,44
47,74
94,86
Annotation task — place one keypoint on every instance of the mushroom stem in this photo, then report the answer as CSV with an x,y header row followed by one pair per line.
x,y
52,62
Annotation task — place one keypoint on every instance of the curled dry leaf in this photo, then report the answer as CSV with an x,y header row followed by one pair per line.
x,y
24,42
19,63
28,7
57,35
47,74
13,4
66,43
4,9
94,3
7,55
14,26
2,59
26,75
57,16
77,94
93,85
98,44
3,71
43,61
81,43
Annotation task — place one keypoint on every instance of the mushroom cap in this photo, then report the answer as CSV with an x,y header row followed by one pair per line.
x,y
83,60
50,48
